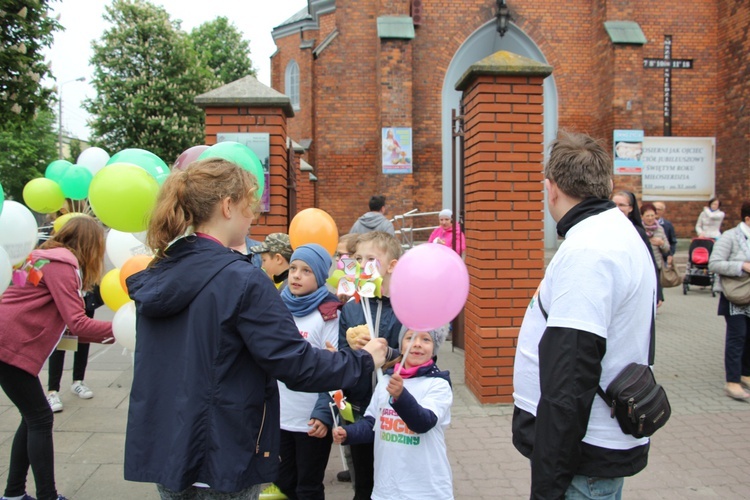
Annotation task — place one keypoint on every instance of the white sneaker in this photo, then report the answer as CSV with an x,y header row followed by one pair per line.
x,y
53,398
81,390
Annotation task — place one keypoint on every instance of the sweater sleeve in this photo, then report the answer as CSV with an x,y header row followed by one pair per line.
x,y
435,233
417,418
721,253
63,284
360,432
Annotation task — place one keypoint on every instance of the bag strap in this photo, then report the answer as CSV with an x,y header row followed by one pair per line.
x,y
651,342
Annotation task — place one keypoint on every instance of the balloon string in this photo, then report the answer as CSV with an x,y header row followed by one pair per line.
x,y
406,353
373,332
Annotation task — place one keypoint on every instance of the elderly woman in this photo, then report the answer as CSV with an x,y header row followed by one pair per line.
x,y
731,257
443,234
656,235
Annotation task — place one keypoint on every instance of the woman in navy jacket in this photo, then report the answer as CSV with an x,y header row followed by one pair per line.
x,y
213,336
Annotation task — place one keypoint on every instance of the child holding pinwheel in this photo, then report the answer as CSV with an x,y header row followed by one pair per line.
x,y
406,420
377,253
306,417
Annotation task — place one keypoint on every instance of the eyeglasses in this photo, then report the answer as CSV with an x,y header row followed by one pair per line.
x,y
620,205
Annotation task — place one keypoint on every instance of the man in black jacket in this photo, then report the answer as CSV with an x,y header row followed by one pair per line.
x,y
590,317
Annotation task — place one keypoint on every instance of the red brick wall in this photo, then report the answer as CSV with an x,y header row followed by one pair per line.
x,y
594,82
504,224
273,122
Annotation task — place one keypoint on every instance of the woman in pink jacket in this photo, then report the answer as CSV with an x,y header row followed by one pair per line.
x,y
34,316
443,234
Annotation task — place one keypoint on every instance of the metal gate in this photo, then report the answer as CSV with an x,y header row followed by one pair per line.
x,y
457,202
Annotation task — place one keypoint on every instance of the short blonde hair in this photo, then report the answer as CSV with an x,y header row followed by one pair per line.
x,y
385,242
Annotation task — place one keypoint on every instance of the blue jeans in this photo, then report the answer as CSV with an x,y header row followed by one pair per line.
x,y
600,488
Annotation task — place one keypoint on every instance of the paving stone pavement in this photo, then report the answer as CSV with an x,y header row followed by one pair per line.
x,y
704,451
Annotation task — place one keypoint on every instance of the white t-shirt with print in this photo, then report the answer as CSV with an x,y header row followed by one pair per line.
x,y
601,280
296,407
411,466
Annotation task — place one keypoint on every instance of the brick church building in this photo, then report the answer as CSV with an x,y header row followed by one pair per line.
x,y
354,68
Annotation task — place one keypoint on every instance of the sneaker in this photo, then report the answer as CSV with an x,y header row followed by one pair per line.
x,y
53,398
60,497
344,476
24,497
81,390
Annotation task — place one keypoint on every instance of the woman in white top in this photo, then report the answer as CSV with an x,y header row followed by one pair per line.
x,y
710,219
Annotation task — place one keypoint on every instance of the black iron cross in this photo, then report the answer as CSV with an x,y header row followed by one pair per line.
x,y
667,64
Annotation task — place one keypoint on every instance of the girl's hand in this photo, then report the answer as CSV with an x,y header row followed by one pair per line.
x,y
339,435
395,386
317,428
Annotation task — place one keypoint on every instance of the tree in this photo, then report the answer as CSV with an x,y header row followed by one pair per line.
x,y
146,75
28,147
220,46
25,30
74,150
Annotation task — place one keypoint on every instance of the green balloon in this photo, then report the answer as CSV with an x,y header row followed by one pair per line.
x,y
123,196
144,159
2,198
241,155
57,169
43,195
75,182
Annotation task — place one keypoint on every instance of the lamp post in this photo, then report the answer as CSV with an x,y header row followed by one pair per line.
x,y
59,113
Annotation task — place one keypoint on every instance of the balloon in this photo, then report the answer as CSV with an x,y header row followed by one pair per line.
x,y
189,156
18,231
122,246
93,159
60,221
133,265
123,326
6,270
56,169
144,159
43,195
112,292
313,225
122,196
429,287
75,182
242,156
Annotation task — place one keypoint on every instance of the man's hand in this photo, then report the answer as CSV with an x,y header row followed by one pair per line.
x,y
317,428
339,435
395,386
378,348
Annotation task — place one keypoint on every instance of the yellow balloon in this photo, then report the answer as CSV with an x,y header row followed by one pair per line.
x,y
112,293
60,221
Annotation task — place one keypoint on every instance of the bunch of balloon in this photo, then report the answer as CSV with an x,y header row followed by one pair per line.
x,y
313,225
114,290
18,237
6,268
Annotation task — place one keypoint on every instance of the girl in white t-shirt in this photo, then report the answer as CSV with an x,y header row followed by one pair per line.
x,y
406,419
306,417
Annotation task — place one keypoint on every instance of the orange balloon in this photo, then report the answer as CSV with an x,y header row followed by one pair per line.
x,y
133,265
313,225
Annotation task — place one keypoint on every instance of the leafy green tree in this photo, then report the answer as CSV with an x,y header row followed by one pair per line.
x,y
25,30
74,150
28,147
221,47
146,76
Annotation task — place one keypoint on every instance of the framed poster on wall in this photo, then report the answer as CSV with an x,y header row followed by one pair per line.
x,y
397,152
260,144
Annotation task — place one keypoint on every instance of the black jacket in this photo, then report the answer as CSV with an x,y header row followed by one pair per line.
x,y
213,336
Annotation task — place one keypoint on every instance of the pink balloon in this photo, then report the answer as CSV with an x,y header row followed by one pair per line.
x,y
189,156
429,287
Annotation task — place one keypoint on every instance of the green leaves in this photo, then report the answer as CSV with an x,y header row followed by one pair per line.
x,y
221,48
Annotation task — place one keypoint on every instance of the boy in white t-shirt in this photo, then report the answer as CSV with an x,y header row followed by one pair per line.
x,y
406,419
305,417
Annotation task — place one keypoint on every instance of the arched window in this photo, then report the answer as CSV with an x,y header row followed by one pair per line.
x,y
291,83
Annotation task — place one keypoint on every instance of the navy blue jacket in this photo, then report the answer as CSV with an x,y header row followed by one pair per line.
x,y
213,336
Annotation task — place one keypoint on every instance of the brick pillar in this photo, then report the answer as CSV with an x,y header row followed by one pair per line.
x,y
246,105
504,198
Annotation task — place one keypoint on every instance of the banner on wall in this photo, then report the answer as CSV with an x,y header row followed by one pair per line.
x,y
628,150
397,151
260,144
679,168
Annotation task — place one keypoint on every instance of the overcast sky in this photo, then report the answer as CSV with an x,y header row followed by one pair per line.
x,y
82,19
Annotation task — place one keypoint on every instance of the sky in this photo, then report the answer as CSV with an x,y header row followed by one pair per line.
x,y
71,51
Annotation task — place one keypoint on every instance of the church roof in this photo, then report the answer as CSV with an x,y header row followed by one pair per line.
x,y
299,16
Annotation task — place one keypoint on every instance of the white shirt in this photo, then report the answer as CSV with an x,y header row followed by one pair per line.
x,y
296,407
601,280
411,466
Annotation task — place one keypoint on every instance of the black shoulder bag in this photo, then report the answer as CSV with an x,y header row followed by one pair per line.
x,y
638,402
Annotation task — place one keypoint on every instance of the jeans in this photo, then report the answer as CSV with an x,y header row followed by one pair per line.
x,y
57,360
600,488
303,465
195,493
737,347
32,444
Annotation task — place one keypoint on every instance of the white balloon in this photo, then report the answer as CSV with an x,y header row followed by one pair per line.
x,y
93,159
18,231
141,236
6,270
123,326
121,246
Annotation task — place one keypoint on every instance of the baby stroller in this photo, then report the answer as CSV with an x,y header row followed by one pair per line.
x,y
697,267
